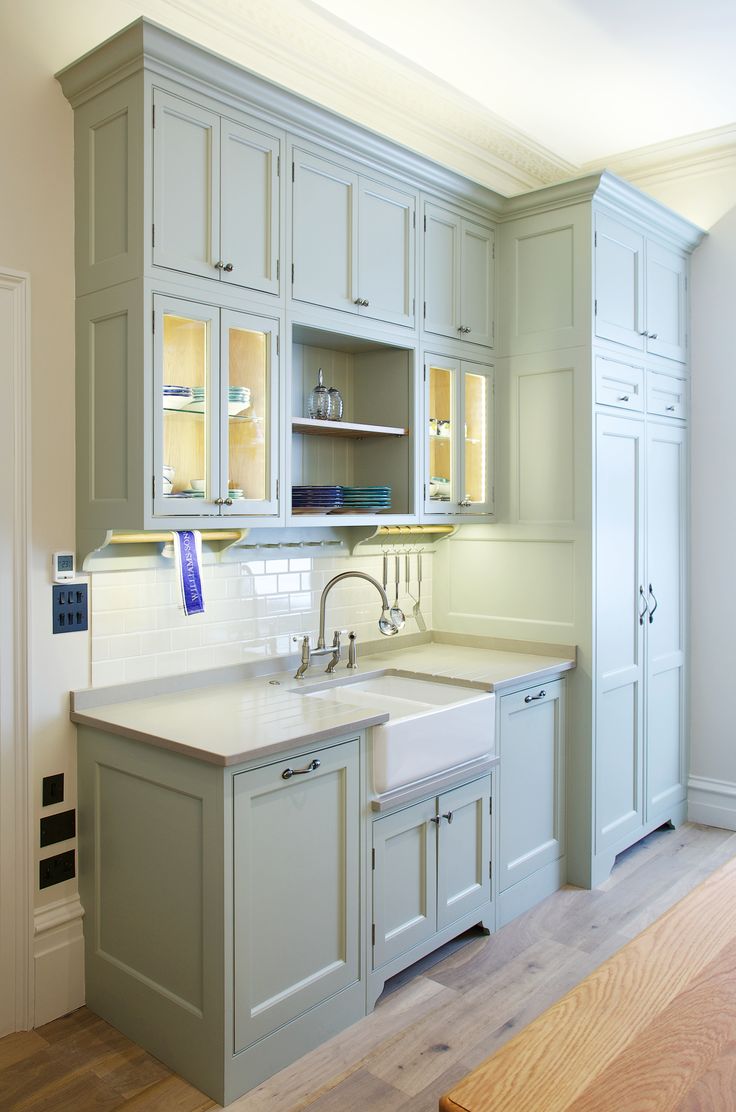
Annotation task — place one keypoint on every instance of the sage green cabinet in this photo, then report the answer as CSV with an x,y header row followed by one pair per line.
x,y
297,888
431,867
459,267
353,241
532,793
215,195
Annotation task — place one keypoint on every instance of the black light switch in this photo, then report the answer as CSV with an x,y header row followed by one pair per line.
x,y
52,789
57,828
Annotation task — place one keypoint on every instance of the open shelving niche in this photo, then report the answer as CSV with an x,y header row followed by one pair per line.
x,y
375,442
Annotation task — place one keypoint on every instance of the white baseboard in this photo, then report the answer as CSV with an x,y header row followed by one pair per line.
x,y
711,802
58,959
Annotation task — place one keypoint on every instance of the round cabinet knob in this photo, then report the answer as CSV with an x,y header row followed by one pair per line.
x,y
227,501
228,267
219,265
653,335
362,301
219,501
466,502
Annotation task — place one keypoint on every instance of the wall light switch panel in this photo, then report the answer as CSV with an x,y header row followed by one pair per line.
x,y
69,608
53,870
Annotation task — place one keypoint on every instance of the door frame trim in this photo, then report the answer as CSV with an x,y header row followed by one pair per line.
x,y
16,840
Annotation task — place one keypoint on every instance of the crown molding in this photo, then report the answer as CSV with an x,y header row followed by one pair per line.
x,y
306,52
696,155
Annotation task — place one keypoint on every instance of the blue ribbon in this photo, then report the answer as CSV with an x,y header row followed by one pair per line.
x,y
191,579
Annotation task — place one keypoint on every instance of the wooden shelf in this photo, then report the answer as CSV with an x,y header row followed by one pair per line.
x,y
312,427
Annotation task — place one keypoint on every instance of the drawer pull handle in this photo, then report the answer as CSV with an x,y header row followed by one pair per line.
x,y
533,698
623,397
311,767
448,816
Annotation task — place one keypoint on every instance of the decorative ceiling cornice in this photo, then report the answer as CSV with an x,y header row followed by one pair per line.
x,y
702,153
301,49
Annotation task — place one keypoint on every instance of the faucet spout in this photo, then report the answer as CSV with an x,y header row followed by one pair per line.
x,y
354,575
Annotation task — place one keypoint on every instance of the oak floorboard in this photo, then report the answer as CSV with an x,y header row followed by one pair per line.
x,y
472,998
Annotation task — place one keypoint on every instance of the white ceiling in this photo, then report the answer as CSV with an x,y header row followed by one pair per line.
x,y
584,78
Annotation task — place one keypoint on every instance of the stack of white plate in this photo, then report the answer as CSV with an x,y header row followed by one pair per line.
x,y
176,397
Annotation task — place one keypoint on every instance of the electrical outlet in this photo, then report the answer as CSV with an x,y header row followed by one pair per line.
x,y
58,828
53,870
69,608
52,789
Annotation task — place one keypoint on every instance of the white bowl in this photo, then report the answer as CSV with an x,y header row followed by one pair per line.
x,y
169,472
197,484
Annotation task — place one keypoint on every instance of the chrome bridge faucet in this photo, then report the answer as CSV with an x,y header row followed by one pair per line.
x,y
386,625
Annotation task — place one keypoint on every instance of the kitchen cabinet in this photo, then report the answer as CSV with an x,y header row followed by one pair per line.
x,y
531,806
223,435
459,268
353,241
296,888
222,925
641,491
640,290
459,447
216,207
431,868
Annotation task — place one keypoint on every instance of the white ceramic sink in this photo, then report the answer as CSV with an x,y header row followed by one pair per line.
x,y
433,727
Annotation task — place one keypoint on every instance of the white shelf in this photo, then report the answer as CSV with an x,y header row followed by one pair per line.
x,y
313,427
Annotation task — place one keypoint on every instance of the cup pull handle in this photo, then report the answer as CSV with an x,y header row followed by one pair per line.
x,y
533,698
311,767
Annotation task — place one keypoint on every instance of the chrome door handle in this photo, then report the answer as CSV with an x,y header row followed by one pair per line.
x,y
646,606
227,501
466,502
623,397
533,698
448,816
464,329
669,409
228,267
311,767
219,501
362,301
437,819
652,609
219,265
653,335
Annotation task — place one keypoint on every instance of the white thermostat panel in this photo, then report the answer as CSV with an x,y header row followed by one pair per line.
x,y
62,566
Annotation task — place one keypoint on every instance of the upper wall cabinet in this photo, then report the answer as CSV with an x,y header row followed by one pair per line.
x,y
640,291
353,241
215,195
459,264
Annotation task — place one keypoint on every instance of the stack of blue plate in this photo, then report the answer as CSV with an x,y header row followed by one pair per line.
x,y
316,499
366,499
176,396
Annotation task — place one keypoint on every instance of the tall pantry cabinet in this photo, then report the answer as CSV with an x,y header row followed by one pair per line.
x,y
594,330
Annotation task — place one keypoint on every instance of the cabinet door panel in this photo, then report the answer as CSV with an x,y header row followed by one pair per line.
x,y
464,851
666,302
386,253
324,233
297,889
442,272
531,807
476,283
619,633
250,207
404,881
186,205
249,436
619,289
666,564
186,431
476,447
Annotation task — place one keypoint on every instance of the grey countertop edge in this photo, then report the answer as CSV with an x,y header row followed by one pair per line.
x,y
529,679
248,756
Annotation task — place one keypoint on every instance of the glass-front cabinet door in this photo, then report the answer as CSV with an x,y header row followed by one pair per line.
x,y
459,455
249,414
186,465
216,412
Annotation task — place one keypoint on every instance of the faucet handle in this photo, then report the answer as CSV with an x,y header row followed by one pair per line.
x,y
352,650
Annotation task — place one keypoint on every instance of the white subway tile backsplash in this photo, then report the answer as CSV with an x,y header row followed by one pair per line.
x,y
252,610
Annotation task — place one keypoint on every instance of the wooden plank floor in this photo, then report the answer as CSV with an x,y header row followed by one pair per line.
x,y
440,1020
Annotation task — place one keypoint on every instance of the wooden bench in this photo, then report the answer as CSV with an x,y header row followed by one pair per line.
x,y
652,1028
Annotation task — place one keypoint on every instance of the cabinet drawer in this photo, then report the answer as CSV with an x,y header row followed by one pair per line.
x,y
619,384
667,396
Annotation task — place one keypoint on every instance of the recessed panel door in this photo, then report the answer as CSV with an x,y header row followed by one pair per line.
x,y
619,283
475,444
386,253
666,564
324,233
404,880
619,639
297,887
476,284
442,246
186,182
464,851
666,302
441,393
250,208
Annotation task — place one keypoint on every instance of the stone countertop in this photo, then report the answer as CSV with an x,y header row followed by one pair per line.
x,y
230,716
